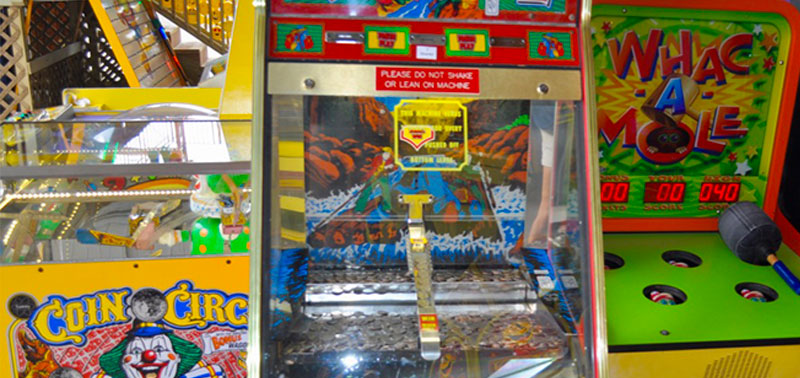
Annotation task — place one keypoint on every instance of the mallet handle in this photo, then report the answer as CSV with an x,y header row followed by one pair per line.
x,y
785,273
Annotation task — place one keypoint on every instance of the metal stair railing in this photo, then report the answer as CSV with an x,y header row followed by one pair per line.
x,y
210,21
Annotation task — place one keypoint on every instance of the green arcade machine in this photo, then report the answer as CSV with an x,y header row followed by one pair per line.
x,y
694,107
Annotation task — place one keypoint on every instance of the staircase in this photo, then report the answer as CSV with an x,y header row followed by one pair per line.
x,y
192,55
210,21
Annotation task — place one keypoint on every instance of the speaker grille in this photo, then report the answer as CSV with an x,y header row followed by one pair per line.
x,y
742,364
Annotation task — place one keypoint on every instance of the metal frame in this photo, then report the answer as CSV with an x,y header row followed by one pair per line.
x,y
325,79
107,170
595,220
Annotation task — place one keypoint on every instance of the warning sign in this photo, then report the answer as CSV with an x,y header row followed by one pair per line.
x,y
439,80
430,135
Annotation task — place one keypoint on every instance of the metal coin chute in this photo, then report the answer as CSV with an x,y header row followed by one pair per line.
x,y
419,263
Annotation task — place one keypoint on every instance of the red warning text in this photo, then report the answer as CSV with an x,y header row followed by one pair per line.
x,y
443,80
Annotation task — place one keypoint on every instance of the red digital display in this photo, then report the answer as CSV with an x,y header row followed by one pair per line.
x,y
719,192
664,191
614,191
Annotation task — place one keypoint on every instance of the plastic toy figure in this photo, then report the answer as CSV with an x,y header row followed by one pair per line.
x,y
223,206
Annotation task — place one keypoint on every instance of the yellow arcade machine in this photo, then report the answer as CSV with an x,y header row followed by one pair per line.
x,y
125,229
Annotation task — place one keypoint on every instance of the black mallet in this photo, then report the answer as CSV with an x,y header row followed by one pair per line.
x,y
754,238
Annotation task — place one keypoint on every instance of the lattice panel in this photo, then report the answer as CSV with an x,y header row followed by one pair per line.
x,y
48,83
14,87
101,68
53,25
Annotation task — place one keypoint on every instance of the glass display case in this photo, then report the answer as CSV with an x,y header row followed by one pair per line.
x,y
86,191
416,245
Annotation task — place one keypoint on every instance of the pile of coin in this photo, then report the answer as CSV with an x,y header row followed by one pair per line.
x,y
403,275
341,332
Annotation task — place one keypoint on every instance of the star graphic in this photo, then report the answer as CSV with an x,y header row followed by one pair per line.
x,y
732,156
769,64
747,195
600,154
770,41
751,152
742,168
607,27
600,38
757,29
593,30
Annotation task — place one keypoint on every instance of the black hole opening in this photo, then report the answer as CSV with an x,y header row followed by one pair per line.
x,y
663,294
135,266
681,259
613,261
41,270
227,262
756,292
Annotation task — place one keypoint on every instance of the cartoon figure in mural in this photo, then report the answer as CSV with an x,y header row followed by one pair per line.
x,y
40,362
299,40
666,107
550,47
668,139
151,350
382,165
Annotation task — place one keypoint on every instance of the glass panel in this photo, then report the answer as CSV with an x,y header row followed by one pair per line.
x,y
74,191
399,236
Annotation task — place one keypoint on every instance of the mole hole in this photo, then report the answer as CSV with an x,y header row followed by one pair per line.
x,y
228,262
41,270
135,266
681,259
663,294
613,261
756,292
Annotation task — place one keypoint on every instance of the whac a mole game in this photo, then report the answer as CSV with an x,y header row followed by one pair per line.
x,y
694,105
410,149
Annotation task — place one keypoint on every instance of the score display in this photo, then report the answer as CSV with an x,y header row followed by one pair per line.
x,y
664,192
614,192
719,192
619,192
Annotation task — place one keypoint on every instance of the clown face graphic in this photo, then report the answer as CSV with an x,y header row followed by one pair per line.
x,y
151,349
150,357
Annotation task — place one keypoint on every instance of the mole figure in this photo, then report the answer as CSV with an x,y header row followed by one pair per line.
x,y
668,139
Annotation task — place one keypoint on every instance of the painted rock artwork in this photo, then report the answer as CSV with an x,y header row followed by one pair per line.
x,y
355,171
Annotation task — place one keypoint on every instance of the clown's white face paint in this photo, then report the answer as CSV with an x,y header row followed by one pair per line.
x,y
150,357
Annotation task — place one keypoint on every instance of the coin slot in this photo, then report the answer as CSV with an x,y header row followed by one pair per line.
x,y
612,261
664,294
681,259
756,292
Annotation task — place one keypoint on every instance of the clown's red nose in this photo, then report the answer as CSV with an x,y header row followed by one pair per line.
x,y
148,356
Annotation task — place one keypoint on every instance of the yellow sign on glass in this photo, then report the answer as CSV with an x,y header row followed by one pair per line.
x,y
430,135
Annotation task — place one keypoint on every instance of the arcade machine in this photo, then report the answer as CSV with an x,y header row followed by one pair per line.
x,y
109,231
694,110
125,227
410,150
